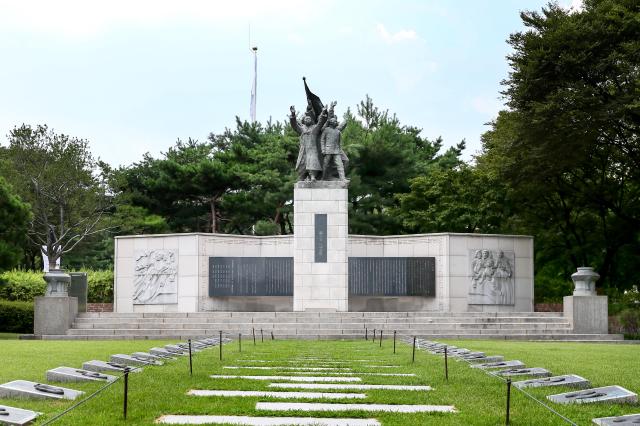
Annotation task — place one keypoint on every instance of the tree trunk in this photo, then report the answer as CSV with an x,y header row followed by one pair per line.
x,y
212,203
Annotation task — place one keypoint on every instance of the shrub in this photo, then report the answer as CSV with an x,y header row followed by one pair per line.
x,y
630,320
21,285
100,286
16,317
26,285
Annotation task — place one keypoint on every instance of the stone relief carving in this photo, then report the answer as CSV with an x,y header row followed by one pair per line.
x,y
155,277
492,277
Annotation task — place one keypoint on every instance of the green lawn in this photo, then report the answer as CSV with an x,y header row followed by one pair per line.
x,y
8,336
478,397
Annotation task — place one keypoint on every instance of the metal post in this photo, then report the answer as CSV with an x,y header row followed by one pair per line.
x,y
126,391
508,399
366,334
261,336
394,341
220,344
374,335
272,338
253,331
239,342
414,349
380,338
446,364
190,360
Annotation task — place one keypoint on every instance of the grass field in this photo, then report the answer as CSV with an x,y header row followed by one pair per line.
x,y
478,397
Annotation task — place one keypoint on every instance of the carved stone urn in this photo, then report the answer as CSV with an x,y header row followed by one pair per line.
x,y
585,281
58,283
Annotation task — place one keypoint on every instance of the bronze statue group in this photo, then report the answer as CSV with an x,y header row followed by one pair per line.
x,y
321,156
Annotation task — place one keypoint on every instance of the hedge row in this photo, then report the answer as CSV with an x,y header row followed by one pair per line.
x,y
16,317
19,285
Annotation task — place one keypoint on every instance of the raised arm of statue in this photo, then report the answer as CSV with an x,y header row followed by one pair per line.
x,y
321,121
294,121
342,125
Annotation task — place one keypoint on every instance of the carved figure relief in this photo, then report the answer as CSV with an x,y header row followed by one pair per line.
x,y
492,277
155,277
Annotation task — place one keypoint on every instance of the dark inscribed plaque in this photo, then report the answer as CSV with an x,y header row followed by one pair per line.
x,y
250,276
320,224
392,276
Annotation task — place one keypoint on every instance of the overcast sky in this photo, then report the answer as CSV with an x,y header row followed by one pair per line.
x,y
133,76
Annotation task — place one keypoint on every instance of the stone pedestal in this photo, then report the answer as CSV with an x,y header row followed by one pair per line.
x,y
588,314
584,281
54,315
320,273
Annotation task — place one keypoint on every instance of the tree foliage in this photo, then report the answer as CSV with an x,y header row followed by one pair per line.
x,y
14,223
56,174
568,147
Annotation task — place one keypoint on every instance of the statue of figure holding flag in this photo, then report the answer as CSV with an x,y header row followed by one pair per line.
x,y
308,165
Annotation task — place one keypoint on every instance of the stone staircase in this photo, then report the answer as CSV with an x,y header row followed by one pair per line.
x,y
327,325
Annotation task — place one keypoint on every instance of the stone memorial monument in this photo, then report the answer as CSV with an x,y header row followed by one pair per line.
x,y
321,268
588,312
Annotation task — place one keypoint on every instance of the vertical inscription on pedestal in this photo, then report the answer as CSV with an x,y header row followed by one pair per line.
x,y
320,224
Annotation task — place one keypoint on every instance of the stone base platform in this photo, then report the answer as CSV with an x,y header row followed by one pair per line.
x,y
328,325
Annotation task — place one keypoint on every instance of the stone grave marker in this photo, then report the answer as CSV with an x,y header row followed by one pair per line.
x,y
534,372
34,390
319,406
165,352
611,394
132,361
96,365
565,380
290,378
629,419
69,374
149,356
499,364
16,416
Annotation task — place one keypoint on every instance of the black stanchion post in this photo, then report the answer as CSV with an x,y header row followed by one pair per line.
x,y
366,333
374,335
413,359
190,360
508,399
272,338
126,391
380,338
261,336
446,364
253,331
220,344
394,341
239,342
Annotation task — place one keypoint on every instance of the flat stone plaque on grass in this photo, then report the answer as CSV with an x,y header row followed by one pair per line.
x,y
34,390
68,374
629,419
610,394
393,408
151,357
484,359
264,421
96,365
566,380
267,394
291,378
171,348
164,352
341,386
16,416
534,371
133,361
500,364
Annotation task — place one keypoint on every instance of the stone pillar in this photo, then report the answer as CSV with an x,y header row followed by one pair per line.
x,y
55,312
320,246
587,312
